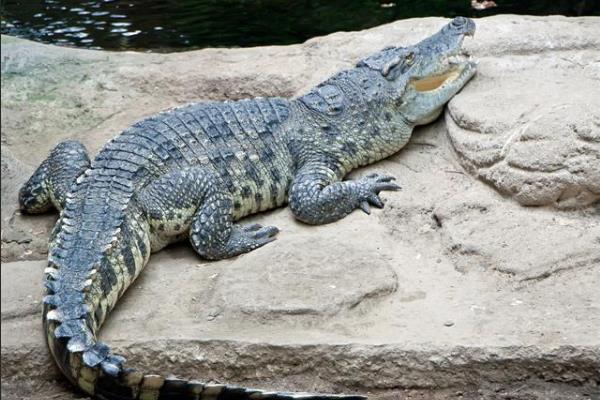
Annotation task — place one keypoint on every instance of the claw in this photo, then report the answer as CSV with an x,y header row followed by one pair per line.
x,y
386,186
376,201
372,184
386,178
266,232
380,178
252,227
365,207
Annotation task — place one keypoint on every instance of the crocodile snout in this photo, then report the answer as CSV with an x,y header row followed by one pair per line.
x,y
461,26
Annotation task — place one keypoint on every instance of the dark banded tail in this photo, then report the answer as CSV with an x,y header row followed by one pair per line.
x,y
124,383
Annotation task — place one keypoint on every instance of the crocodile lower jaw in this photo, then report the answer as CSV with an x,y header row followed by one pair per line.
x,y
435,82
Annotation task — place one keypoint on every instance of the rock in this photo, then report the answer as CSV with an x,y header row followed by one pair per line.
x,y
330,279
20,301
530,127
526,244
386,345
358,305
23,237
17,236
14,174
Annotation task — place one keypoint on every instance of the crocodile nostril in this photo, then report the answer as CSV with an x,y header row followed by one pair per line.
x,y
459,22
461,25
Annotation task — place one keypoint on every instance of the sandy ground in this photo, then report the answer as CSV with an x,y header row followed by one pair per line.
x,y
478,280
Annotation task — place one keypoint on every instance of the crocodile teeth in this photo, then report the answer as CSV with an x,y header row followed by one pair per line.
x,y
457,59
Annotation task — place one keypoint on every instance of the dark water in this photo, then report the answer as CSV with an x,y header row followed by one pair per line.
x,y
166,25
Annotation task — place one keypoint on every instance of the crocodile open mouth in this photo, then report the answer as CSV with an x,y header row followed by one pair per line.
x,y
456,64
435,82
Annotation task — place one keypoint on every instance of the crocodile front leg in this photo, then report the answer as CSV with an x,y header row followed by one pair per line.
x,y
50,183
318,197
194,202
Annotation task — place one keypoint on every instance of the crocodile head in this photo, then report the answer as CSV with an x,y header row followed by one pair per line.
x,y
423,77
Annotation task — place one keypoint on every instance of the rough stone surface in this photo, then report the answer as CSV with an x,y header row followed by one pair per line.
x,y
23,238
530,127
474,232
453,290
294,282
14,174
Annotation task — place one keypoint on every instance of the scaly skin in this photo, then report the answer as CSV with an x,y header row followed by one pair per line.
x,y
192,172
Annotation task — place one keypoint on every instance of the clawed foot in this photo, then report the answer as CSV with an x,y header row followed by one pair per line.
x,y
370,186
242,239
250,237
257,231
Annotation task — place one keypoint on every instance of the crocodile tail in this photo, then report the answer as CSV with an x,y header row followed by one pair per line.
x,y
104,375
84,283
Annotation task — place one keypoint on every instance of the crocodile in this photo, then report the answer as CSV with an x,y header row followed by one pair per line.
x,y
194,171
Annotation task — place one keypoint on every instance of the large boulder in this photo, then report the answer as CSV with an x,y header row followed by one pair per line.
x,y
530,127
453,285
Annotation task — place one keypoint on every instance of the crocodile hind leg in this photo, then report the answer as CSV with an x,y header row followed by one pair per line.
x,y
50,183
193,202
318,197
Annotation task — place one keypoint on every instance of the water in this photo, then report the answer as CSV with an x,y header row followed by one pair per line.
x,y
168,25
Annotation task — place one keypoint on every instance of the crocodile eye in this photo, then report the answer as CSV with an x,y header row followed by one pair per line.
x,y
410,58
